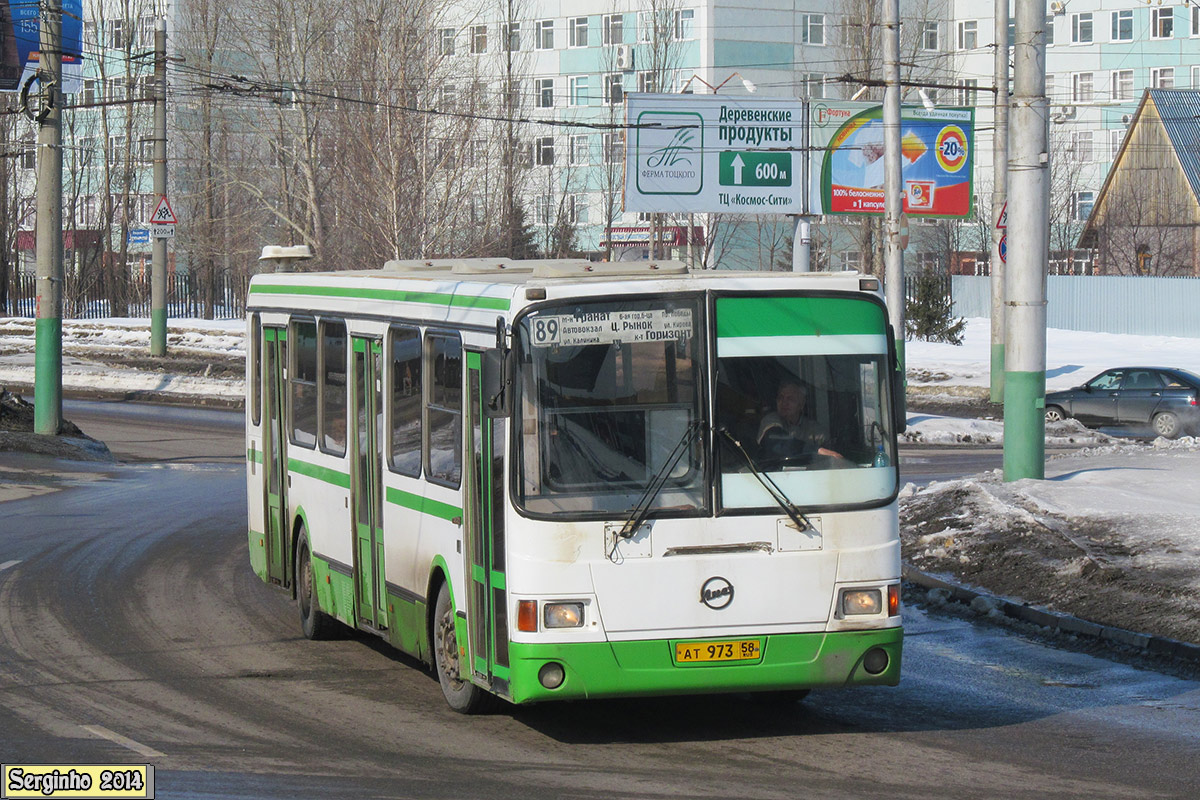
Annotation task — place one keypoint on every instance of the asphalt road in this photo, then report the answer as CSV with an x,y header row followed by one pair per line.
x,y
132,631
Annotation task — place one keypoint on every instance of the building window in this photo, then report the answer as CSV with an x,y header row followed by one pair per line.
x,y
116,89
813,84
614,88
545,92
446,41
1162,23
1115,137
146,151
543,149
448,95
117,34
1122,84
1082,87
581,149
1080,147
577,210
646,82
812,29
968,92
577,32
1195,20
1081,205
510,34
1196,77
541,209
1122,26
116,150
91,91
614,147
852,260
685,24
28,156
1162,78
543,33
613,27
1050,88
579,90
1081,28
968,34
479,39
930,36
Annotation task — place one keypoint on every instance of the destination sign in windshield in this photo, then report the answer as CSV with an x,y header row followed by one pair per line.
x,y
609,327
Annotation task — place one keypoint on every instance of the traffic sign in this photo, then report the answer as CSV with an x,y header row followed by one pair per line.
x,y
162,231
1002,223
139,235
741,168
1003,248
163,215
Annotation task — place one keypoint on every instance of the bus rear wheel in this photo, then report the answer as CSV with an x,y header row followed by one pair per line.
x,y
315,623
461,695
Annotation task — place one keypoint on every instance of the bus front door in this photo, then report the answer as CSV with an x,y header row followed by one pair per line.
x,y
483,498
275,453
367,495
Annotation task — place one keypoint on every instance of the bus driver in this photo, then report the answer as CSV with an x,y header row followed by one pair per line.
x,y
787,433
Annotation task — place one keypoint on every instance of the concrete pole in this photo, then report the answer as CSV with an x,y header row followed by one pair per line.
x,y
893,198
999,196
158,263
801,232
47,370
801,244
1029,250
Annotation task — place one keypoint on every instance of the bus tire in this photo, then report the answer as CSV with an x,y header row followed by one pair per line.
x,y
315,623
461,695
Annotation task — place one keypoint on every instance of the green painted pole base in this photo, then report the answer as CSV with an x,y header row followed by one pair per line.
x,y
47,377
158,332
1024,425
998,373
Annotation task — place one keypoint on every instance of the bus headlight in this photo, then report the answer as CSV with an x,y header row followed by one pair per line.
x,y
861,601
562,615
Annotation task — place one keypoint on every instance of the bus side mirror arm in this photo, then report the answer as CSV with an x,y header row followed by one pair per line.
x,y
498,376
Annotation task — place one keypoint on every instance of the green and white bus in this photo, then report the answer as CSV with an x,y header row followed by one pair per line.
x,y
546,479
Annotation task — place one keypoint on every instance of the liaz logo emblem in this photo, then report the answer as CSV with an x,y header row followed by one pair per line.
x,y
716,593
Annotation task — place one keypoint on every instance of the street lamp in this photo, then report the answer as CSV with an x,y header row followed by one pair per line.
x,y
750,87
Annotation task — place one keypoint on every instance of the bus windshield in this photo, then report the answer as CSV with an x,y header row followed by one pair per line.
x,y
609,389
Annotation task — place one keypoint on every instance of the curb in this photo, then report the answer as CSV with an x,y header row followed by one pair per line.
x,y
1059,622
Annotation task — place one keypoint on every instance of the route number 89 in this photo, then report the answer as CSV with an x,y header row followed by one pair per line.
x,y
545,331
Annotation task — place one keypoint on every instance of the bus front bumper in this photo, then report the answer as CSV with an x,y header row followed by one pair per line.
x,y
645,668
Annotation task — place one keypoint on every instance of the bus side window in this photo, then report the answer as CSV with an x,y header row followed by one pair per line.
x,y
332,389
405,392
303,406
443,355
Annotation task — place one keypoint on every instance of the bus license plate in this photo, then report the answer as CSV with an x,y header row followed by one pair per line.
x,y
697,652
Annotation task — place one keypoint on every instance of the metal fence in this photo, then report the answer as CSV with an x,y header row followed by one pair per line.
x,y
1102,303
185,297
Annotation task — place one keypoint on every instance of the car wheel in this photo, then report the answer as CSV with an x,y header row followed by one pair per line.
x,y
1166,425
461,695
315,623
1055,414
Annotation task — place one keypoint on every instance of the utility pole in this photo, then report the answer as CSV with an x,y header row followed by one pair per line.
x,y
893,276
1029,249
47,370
999,196
158,258
802,232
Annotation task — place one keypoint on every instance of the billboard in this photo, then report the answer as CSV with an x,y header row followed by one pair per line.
x,y
688,153
936,150
20,38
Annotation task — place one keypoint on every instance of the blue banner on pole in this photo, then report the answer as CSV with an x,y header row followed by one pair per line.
x,y
20,38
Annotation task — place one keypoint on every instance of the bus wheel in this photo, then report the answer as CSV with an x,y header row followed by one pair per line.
x,y
315,623
462,695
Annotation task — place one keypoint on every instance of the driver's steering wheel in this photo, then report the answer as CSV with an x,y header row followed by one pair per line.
x,y
778,450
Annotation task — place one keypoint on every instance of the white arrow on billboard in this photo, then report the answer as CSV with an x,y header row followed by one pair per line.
x,y
737,165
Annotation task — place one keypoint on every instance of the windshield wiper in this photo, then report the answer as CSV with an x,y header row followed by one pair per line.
x,y
641,508
777,494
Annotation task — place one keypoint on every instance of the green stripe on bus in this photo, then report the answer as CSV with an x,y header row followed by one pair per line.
x,y
797,316
424,505
325,474
397,295
255,455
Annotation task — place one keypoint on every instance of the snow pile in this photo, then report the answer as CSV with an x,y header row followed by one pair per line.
x,y
935,429
1111,535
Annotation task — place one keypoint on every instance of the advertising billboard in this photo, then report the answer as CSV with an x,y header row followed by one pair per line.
x,y
20,37
936,158
688,153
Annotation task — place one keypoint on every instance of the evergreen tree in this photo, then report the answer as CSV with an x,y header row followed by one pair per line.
x,y
929,309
